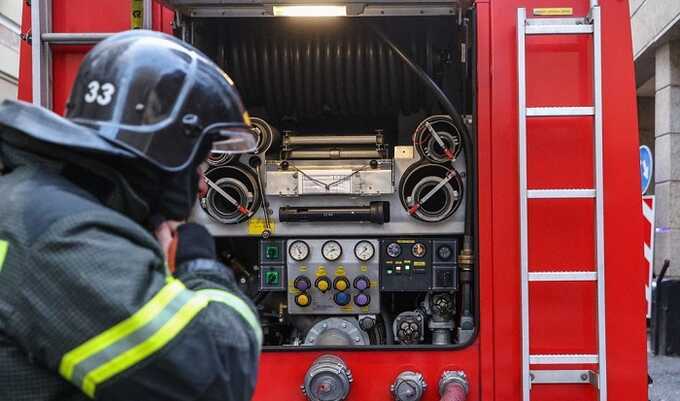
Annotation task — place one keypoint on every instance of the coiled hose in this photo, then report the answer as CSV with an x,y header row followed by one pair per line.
x,y
344,70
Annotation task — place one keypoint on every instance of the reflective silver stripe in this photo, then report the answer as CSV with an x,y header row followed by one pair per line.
x,y
126,343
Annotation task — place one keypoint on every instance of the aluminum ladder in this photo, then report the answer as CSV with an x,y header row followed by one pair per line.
x,y
42,38
590,25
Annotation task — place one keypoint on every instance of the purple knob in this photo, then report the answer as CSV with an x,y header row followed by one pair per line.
x,y
362,283
362,299
302,283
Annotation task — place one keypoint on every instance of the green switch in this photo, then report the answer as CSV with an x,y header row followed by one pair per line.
x,y
271,278
271,252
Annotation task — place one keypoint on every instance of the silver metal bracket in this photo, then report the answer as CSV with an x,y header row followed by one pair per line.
x,y
564,377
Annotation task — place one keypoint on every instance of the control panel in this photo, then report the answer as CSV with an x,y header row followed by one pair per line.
x,y
418,264
332,277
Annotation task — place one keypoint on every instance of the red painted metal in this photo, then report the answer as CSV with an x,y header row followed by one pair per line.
x,y
560,156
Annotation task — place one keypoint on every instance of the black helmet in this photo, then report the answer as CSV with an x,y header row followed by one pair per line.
x,y
159,98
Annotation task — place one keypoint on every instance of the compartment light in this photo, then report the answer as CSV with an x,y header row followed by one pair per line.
x,y
310,11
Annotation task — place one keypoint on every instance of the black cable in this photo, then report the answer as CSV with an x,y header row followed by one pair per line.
x,y
457,120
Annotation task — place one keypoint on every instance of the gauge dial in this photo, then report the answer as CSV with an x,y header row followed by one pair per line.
x,y
364,250
444,252
331,251
394,250
298,250
418,250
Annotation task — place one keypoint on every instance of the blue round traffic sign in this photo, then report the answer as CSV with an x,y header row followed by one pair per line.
x,y
646,167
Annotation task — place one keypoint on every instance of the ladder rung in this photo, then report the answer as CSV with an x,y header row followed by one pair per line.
x,y
563,359
558,29
78,38
557,21
563,276
572,193
563,377
560,111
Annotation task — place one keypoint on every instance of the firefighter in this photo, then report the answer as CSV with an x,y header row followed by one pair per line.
x,y
88,306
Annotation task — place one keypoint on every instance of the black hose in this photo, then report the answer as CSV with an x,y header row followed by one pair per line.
x,y
457,120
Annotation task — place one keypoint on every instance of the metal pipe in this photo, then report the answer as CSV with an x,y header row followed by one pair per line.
x,y
376,212
334,154
41,21
81,38
306,140
147,15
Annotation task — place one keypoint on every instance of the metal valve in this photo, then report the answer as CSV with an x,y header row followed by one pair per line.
x,y
453,386
328,379
408,386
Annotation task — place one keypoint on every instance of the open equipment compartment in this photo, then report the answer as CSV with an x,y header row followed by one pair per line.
x,y
352,223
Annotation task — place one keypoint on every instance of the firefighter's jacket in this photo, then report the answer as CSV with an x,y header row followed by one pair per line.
x,y
87,309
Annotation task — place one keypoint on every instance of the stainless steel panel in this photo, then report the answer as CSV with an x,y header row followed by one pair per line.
x,y
346,266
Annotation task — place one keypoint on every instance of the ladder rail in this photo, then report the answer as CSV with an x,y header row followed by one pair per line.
x,y
41,56
599,200
524,194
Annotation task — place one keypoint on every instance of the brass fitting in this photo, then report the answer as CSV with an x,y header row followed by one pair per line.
x,y
466,256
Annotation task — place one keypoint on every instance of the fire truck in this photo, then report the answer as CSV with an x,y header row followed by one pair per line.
x,y
443,204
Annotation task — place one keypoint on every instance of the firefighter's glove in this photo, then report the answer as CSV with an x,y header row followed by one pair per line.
x,y
192,241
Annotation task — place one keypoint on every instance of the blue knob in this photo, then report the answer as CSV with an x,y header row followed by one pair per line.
x,y
342,298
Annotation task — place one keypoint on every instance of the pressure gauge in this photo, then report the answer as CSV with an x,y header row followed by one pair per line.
x,y
298,250
331,251
418,250
364,250
394,250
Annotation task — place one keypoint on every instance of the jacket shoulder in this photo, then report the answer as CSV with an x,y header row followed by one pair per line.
x,y
41,198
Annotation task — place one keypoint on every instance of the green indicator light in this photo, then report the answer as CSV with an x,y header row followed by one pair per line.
x,y
271,252
271,278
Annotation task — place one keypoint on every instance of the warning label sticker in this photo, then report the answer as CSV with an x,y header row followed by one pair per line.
x,y
553,11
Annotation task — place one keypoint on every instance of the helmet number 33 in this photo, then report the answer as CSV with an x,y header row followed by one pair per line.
x,y
100,93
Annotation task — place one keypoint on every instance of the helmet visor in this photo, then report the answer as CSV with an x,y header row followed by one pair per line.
x,y
230,138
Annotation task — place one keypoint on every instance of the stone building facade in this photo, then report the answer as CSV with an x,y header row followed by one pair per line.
x,y
10,15
656,51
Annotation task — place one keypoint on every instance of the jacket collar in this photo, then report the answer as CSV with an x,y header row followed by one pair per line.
x,y
85,169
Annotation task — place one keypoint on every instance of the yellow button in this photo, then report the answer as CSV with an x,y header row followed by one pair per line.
x,y
341,285
323,285
302,300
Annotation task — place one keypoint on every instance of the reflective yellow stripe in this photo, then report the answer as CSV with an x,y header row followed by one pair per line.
x,y
148,347
144,333
143,316
238,305
4,246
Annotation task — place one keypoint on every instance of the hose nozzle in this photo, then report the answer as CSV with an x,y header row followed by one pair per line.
x,y
453,386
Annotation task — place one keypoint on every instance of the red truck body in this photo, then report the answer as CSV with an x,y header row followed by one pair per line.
x,y
560,155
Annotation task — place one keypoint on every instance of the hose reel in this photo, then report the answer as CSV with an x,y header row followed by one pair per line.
x,y
431,192
233,195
